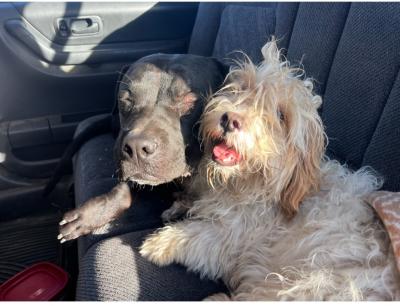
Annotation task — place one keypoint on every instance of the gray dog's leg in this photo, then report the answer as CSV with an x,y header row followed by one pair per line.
x,y
95,213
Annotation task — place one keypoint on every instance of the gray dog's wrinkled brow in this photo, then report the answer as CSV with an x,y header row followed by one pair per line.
x,y
151,88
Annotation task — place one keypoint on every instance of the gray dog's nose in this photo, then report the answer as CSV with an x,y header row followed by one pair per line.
x,y
141,147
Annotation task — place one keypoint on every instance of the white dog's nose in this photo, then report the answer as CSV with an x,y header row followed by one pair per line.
x,y
231,122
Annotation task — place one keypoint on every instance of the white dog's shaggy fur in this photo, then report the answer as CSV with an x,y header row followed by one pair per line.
x,y
282,222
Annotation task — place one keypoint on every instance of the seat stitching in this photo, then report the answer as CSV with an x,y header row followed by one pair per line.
x,y
397,76
333,59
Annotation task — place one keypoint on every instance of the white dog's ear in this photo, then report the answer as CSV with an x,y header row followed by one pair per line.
x,y
304,164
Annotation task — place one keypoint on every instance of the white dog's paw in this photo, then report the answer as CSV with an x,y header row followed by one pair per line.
x,y
217,297
160,248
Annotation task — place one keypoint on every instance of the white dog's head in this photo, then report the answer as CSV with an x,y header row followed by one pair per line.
x,y
262,130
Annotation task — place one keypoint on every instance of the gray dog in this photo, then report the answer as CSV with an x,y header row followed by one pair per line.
x,y
161,98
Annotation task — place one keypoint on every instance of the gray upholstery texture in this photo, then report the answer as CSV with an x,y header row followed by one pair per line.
x,y
234,34
209,25
206,28
360,81
284,20
352,50
317,58
106,275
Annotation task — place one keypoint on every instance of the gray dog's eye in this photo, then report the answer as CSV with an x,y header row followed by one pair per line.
x,y
125,101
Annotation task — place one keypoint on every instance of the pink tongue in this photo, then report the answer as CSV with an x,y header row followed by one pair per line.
x,y
225,155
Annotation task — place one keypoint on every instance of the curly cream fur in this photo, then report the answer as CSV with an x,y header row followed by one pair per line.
x,y
285,223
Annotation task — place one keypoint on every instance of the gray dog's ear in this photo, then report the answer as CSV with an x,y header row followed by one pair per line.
x,y
183,96
187,102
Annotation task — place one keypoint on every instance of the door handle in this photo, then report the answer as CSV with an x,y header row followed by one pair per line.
x,y
77,26
84,26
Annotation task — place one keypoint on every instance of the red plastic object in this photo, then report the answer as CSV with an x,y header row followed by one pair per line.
x,y
40,282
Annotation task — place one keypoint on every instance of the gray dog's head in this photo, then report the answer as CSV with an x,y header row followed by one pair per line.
x,y
161,98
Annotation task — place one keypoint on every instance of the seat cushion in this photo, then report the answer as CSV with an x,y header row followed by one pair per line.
x,y
223,27
114,270
234,33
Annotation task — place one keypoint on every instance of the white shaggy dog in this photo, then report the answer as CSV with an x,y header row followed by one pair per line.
x,y
272,217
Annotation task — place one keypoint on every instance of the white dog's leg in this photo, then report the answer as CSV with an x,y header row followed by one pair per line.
x,y
218,297
191,243
163,247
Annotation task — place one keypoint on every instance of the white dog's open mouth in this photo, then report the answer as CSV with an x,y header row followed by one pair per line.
x,y
225,155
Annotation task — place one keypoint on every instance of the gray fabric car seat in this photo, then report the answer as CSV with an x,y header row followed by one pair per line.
x,y
352,50
89,182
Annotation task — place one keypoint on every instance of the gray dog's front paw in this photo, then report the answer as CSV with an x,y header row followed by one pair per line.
x,y
167,215
74,224
178,209
95,213
173,213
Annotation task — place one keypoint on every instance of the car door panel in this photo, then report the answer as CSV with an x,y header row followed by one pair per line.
x,y
59,65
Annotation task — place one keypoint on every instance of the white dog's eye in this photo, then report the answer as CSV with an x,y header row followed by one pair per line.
x,y
281,116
